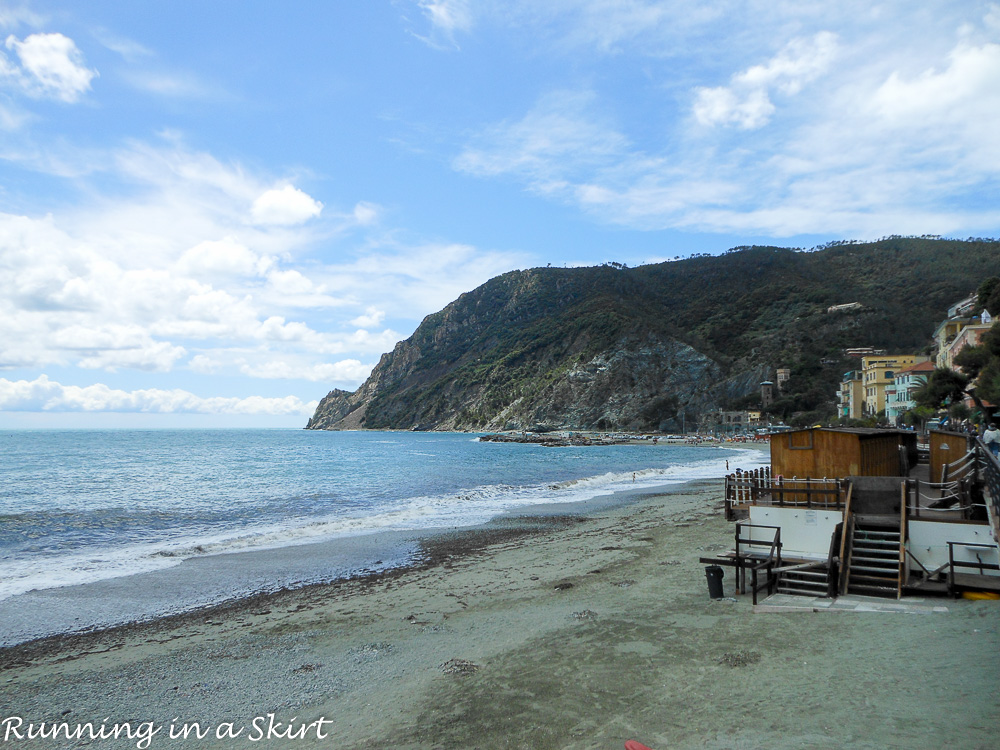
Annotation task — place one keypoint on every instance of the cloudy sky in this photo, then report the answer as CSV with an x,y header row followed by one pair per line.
x,y
212,213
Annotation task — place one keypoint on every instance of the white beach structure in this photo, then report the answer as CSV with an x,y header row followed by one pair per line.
x,y
885,536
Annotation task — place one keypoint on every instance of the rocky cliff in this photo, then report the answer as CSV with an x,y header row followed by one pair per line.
x,y
657,346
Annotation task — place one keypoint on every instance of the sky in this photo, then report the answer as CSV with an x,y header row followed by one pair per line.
x,y
212,213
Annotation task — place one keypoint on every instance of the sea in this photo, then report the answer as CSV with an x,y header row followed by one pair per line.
x,y
103,527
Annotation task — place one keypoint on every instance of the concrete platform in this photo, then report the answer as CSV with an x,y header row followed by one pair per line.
x,y
853,603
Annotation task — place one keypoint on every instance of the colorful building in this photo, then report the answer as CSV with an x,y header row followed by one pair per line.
x,y
851,396
899,397
878,373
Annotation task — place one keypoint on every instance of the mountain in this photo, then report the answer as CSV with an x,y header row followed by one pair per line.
x,y
655,347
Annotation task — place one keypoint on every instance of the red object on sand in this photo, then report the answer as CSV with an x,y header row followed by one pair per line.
x,y
634,745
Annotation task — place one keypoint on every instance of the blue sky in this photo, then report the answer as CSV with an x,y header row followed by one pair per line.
x,y
211,213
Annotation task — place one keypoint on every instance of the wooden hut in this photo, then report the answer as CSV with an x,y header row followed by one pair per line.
x,y
841,452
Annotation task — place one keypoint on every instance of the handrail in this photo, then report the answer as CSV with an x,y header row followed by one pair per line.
x,y
799,566
754,488
833,569
952,563
848,532
773,555
990,468
901,572
847,513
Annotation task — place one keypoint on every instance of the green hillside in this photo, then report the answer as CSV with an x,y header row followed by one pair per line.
x,y
619,347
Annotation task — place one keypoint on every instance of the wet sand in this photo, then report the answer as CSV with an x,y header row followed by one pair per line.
x,y
533,632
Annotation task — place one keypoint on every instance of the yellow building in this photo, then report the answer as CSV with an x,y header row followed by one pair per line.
x,y
945,334
879,371
852,395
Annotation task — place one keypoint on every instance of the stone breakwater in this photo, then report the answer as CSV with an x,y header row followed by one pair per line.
x,y
554,441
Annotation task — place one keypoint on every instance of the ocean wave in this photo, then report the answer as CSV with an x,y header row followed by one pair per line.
x,y
463,508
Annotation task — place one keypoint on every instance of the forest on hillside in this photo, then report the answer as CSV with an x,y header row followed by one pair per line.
x,y
507,348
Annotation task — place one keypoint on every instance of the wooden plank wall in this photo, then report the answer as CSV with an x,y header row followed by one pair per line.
x,y
826,453
832,454
880,456
946,447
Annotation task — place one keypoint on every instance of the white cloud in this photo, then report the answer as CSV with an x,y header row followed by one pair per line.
x,y
226,257
447,18
43,394
365,213
131,50
158,356
746,102
561,136
372,318
284,206
448,15
349,372
970,80
654,28
872,129
122,285
12,16
172,84
51,66
204,364
291,282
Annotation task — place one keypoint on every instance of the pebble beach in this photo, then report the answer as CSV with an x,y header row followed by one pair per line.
x,y
576,630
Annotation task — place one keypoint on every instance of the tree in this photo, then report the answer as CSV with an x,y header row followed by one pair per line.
x,y
959,411
918,416
943,387
981,364
988,295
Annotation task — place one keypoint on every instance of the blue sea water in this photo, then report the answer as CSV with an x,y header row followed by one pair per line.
x,y
78,507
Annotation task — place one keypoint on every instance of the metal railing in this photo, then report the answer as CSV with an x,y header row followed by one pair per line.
x,y
980,566
989,469
755,564
760,488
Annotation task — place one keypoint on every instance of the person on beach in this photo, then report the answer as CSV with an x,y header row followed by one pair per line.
x,y
992,439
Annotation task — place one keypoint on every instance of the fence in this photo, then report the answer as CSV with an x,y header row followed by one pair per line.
x,y
758,487
990,472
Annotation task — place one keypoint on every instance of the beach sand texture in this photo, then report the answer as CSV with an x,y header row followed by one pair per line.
x,y
561,632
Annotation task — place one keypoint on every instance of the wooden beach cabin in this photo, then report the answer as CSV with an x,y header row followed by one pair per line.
x,y
843,452
851,511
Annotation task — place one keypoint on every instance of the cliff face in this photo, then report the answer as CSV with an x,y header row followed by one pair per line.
x,y
655,346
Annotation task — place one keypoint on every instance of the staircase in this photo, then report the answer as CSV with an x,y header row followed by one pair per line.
x,y
810,582
874,561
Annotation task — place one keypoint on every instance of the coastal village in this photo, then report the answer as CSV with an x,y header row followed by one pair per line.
x,y
908,504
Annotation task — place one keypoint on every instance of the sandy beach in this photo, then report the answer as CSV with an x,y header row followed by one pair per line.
x,y
568,631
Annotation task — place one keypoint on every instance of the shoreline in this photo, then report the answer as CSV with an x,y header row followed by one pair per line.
x,y
439,548
575,632
200,582
416,550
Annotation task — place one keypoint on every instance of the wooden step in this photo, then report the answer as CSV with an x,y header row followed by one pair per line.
x,y
872,560
801,591
866,580
868,521
883,572
819,575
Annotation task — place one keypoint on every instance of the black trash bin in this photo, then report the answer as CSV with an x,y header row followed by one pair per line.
x,y
714,575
